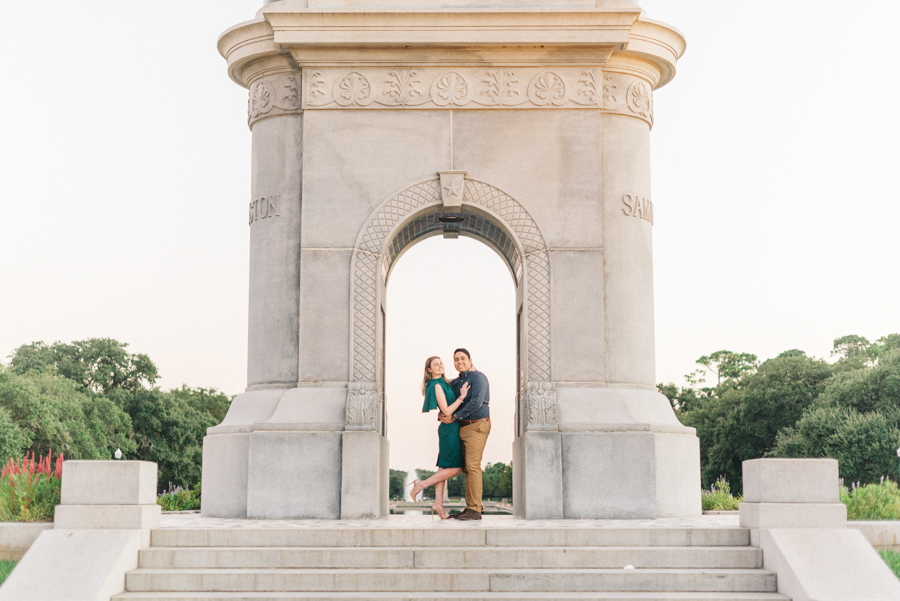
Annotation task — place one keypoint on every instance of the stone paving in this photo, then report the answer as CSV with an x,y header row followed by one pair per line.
x,y
405,522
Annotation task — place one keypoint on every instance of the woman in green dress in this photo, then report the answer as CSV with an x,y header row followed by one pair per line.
x,y
439,395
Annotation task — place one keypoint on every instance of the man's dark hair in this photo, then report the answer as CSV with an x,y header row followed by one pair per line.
x,y
464,351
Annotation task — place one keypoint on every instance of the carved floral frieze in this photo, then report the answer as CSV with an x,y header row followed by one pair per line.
x,y
275,95
476,88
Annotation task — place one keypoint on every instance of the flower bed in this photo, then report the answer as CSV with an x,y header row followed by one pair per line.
x,y
719,497
872,502
30,489
180,499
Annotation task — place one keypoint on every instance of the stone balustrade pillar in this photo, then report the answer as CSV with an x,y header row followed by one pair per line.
x,y
104,519
793,510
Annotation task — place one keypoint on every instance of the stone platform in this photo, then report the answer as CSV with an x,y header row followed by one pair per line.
x,y
415,522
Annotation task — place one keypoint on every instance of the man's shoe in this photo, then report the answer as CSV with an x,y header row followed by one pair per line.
x,y
469,514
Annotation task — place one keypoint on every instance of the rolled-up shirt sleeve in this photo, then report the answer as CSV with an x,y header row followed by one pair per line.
x,y
475,398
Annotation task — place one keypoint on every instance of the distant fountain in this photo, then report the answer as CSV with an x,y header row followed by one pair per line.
x,y
411,477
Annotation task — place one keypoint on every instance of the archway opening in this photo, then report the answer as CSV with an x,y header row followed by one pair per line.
x,y
443,294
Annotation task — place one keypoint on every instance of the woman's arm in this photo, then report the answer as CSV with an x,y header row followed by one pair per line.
x,y
442,399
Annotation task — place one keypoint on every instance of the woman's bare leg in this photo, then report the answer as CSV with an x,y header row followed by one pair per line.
x,y
442,475
439,496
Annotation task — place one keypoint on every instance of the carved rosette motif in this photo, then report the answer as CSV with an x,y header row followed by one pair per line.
x,y
275,95
450,89
640,100
368,268
478,88
541,405
548,88
362,405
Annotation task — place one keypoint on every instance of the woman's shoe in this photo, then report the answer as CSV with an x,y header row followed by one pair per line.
x,y
413,489
442,515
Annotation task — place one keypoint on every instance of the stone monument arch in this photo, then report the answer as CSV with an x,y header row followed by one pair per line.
x,y
478,210
525,123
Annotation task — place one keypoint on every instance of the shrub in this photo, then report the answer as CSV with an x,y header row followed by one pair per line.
x,y
873,501
719,497
6,568
180,499
29,489
892,558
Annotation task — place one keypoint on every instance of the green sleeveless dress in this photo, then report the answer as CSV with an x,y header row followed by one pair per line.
x,y
450,454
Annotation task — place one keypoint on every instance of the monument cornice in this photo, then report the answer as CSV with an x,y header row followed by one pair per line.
x,y
496,37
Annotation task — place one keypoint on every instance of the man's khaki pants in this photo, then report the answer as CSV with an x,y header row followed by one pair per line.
x,y
474,437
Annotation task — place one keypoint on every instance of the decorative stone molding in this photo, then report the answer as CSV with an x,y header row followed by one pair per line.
x,y
477,88
362,405
540,403
369,266
627,95
453,185
275,95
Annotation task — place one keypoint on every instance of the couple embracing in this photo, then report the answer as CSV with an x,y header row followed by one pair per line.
x,y
465,425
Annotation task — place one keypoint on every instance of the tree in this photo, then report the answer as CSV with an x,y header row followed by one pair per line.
x,y
97,365
855,420
169,430
99,397
396,479
728,365
51,413
864,444
847,347
741,421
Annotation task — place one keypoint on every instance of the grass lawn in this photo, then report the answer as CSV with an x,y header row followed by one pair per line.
x,y
892,558
7,565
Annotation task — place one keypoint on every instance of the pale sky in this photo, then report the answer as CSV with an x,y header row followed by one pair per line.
x,y
125,176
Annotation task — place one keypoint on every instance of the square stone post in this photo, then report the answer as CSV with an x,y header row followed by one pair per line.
x,y
793,509
103,521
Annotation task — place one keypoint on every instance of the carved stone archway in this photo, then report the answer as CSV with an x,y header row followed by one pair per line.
x,y
390,229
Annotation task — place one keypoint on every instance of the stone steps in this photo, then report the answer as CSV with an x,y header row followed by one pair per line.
x,y
593,596
441,557
469,536
461,561
449,580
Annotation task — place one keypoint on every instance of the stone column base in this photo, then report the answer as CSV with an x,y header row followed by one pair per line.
x,y
606,475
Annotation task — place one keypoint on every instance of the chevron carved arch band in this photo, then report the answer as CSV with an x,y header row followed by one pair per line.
x,y
370,262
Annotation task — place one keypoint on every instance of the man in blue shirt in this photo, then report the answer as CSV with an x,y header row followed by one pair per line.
x,y
474,417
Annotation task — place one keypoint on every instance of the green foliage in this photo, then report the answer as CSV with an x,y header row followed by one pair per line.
x,y
91,397
728,366
395,486
796,406
855,352
6,568
719,497
42,411
497,481
880,501
742,418
30,490
180,499
96,365
892,559
169,430
423,475
864,444
856,420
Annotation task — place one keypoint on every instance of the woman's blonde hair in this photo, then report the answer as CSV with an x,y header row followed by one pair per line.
x,y
428,375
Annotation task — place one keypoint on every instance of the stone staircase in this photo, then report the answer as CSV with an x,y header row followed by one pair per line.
x,y
471,563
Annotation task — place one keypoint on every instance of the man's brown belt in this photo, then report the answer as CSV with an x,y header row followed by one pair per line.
x,y
466,422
